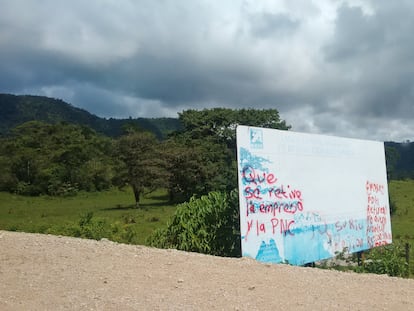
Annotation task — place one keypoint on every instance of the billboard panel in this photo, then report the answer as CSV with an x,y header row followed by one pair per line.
x,y
305,197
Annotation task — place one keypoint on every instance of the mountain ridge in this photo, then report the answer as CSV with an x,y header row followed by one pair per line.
x,y
18,109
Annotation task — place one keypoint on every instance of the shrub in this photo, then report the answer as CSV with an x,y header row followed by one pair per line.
x,y
389,259
93,228
209,224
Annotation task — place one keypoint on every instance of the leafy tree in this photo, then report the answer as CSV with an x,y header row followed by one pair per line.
x,y
8,180
55,159
197,167
141,164
202,157
221,123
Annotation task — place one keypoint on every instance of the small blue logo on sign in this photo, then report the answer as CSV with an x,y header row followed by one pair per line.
x,y
256,138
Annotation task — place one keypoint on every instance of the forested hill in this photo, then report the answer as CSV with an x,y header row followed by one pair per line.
x,y
17,109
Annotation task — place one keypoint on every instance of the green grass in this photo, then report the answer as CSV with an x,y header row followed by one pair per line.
x,y
112,209
42,214
402,193
402,222
115,217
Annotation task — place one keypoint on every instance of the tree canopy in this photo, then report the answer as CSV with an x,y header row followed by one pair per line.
x,y
221,123
142,167
63,158
55,159
202,155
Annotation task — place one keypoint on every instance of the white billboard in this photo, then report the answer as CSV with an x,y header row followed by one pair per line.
x,y
305,197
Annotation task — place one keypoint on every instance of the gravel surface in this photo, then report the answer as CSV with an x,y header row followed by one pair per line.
x,y
45,272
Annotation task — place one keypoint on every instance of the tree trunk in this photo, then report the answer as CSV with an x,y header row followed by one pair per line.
x,y
136,195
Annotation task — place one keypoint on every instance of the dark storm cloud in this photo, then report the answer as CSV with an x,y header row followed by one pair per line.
x,y
356,34
377,50
180,80
335,67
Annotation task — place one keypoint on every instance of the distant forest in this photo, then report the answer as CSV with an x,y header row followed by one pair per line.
x,y
16,110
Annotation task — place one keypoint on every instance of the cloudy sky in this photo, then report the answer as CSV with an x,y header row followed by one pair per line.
x,y
335,67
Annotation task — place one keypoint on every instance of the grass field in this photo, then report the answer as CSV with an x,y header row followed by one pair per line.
x,y
402,222
112,214
113,209
402,193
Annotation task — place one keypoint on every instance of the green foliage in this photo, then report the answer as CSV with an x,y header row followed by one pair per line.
x,y
93,228
198,167
58,159
202,156
218,122
209,225
143,167
221,123
389,259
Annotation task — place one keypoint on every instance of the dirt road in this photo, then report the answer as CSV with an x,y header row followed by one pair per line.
x,y
44,272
